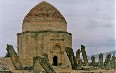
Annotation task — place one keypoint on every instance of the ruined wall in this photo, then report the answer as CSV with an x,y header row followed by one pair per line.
x,y
32,44
6,62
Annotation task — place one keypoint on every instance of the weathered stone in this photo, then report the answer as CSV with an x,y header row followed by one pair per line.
x,y
113,64
14,57
46,65
46,57
84,55
107,63
100,62
79,63
93,60
77,55
36,65
71,57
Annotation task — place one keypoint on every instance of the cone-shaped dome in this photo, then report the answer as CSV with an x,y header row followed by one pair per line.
x,y
44,16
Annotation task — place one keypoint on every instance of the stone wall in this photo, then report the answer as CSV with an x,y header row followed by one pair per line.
x,y
32,44
39,26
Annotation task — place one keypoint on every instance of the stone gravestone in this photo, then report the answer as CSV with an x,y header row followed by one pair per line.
x,y
79,63
46,57
14,57
71,57
107,63
100,62
84,55
113,64
46,65
37,68
77,55
93,61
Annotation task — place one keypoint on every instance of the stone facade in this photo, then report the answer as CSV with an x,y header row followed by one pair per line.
x,y
44,31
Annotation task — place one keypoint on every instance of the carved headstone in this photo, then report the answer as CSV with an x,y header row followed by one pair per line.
x,y
100,62
46,57
77,55
113,62
93,60
107,63
79,63
84,55
71,57
14,57
46,65
37,68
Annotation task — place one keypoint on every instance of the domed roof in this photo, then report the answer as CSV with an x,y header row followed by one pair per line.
x,y
44,12
42,17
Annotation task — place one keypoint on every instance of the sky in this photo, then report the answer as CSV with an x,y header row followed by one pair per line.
x,y
91,22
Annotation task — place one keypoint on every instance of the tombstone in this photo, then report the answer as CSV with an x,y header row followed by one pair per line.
x,y
46,57
113,62
80,63
77,55
93,60
107,63
84,55
100,62
14,57
37,68
71,57
46,65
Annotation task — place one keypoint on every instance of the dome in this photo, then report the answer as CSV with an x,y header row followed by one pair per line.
x,y
44,16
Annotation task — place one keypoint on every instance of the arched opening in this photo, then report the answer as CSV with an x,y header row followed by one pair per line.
x,y
56,55
56,48
55,61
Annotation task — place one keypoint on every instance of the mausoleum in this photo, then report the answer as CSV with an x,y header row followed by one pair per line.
x,y
44,30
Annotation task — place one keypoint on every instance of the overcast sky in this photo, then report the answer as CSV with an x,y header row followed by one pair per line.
x,y
91,22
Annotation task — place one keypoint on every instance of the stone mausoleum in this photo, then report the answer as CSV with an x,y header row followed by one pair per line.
x,y
44,30
45,46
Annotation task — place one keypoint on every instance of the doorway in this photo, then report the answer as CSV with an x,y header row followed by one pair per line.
x,y
55,61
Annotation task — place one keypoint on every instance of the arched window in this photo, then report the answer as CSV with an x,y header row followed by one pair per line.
x,y
56,48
